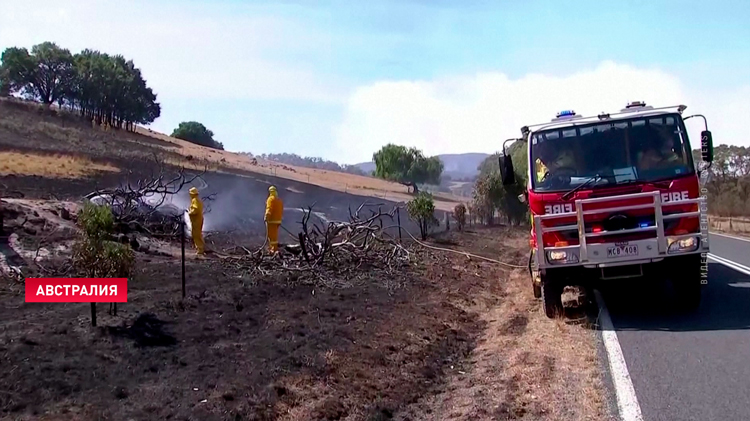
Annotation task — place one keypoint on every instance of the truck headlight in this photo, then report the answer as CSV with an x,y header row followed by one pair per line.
x,y
556,257
686,244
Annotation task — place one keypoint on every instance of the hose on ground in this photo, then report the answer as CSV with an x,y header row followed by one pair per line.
x,y
427,246
463,253
266,240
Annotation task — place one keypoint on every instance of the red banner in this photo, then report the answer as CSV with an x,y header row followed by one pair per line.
x,y
76,290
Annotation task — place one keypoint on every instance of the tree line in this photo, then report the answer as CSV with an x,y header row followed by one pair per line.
x,y
311,162
107,89
727,180
491,200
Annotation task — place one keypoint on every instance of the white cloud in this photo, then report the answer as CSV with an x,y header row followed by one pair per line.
x,y
186,51
476,113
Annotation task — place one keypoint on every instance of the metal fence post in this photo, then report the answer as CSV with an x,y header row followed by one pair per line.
x,y
398,217
182,241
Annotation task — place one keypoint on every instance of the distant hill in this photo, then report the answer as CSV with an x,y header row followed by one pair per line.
x,y
457,166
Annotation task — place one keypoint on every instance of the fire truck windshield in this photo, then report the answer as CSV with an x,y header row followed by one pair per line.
x,y
643,149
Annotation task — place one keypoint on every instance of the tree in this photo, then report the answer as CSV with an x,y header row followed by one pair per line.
x,y
42,75
197,133
106,89
490,195
407,166
4,86
459,212
110,89
488,192
422,210
727,180
94,254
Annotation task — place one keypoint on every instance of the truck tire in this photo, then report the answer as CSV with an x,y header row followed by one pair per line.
x,y
551,293
687,283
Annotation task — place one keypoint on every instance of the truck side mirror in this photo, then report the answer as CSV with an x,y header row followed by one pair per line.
x,y
506,170
707,146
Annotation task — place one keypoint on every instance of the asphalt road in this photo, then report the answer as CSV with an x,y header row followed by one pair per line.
x,y
694,367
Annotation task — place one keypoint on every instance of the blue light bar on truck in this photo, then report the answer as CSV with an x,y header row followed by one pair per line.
x,y
566,113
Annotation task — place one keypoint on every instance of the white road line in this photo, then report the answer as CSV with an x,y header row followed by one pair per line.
x,y
730,236
627,402
729,263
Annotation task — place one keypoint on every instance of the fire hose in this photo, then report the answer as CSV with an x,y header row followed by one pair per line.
x,y
463,253
266,240
423,245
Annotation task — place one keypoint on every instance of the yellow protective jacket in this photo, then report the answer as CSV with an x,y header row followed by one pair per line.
x,y
563,160
274,209
196,208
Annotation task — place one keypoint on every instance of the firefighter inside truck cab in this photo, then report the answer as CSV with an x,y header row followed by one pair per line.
x,y
552,156
659,151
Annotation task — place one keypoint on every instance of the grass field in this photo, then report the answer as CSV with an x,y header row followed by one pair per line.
x,y
51,166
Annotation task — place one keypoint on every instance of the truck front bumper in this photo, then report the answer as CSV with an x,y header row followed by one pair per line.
x,y
588,255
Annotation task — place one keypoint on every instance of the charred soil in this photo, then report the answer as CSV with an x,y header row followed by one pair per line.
x,y
449,338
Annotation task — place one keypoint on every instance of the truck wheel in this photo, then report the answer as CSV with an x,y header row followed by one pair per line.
x,y
551,298
687,284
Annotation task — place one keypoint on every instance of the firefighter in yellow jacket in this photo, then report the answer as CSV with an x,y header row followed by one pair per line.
x,y
196,220
274,211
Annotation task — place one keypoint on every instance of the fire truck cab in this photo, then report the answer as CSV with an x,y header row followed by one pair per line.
x,y
614,196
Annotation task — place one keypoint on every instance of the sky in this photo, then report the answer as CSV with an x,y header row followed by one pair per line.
x,y
340,79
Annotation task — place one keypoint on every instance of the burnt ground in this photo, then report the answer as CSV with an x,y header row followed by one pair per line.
x,y
446,338
450,338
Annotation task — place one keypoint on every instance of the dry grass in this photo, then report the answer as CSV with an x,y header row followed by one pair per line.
x,y
50,166
526,366
548,368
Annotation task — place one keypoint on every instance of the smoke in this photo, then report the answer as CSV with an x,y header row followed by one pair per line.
x,y
228,205
234,203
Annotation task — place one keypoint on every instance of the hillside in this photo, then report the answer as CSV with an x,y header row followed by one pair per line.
x,y
28,128
456,166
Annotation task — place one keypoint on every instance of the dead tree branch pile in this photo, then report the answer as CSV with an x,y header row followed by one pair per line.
x,y
334,251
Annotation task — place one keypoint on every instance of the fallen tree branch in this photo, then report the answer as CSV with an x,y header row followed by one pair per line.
x,y
334,250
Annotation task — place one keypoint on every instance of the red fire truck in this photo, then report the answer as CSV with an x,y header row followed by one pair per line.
x,y
614,196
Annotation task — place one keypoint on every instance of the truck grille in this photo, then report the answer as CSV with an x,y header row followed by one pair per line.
x,y
613,222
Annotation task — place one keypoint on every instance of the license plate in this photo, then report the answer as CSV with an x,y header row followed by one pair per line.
x,y
621,251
